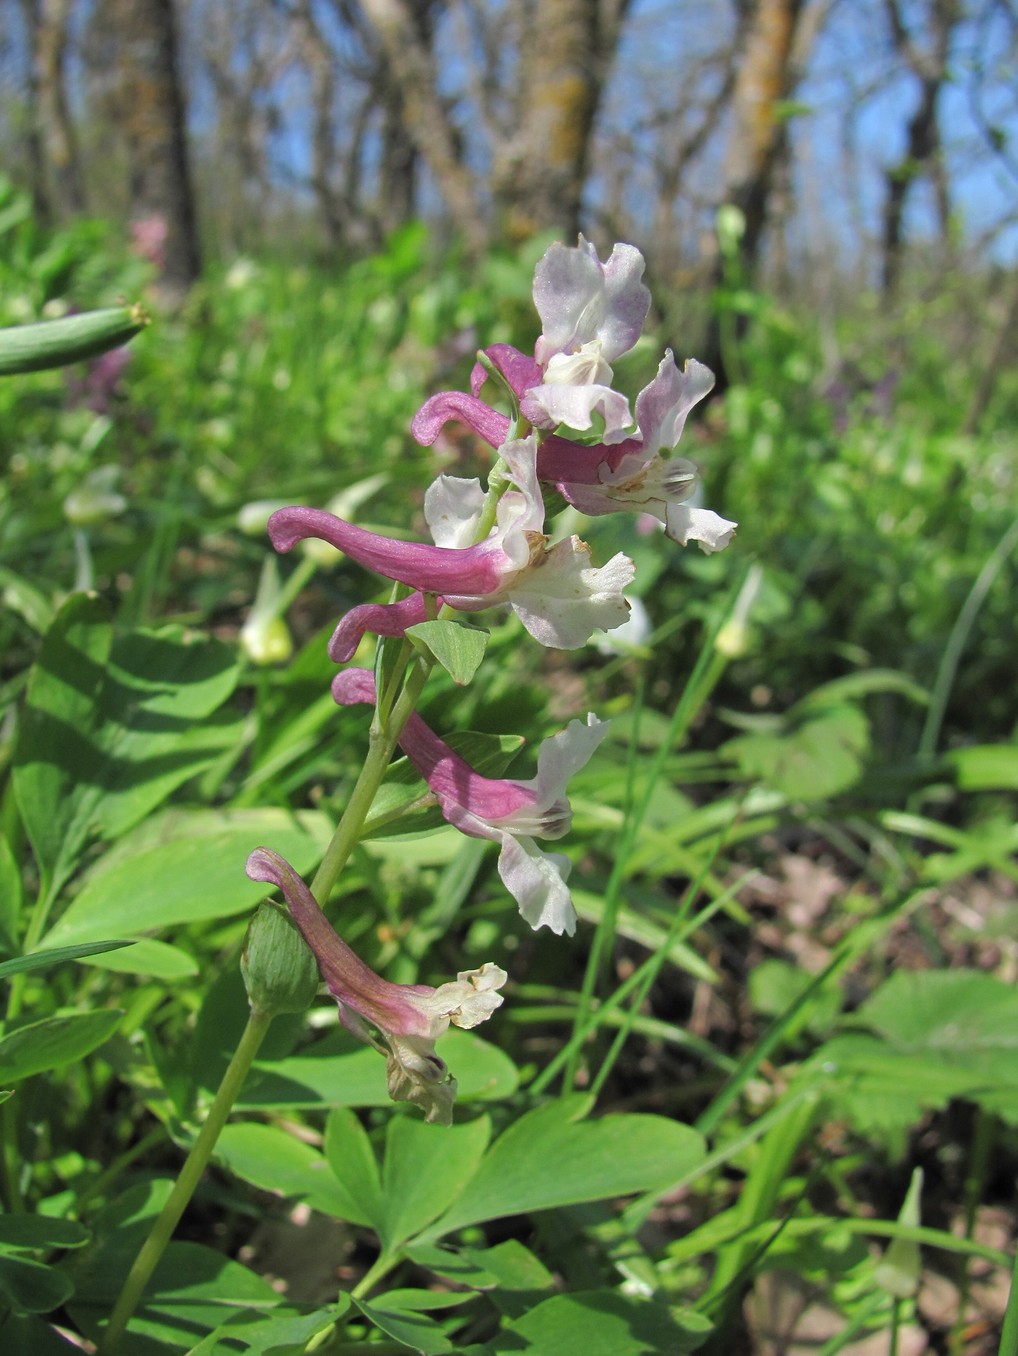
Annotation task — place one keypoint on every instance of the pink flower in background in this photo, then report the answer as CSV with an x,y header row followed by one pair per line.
x,y
512,813
148,239
409,1017
556,592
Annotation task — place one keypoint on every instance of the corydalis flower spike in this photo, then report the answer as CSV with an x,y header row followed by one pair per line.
x,y
410,1017
511,813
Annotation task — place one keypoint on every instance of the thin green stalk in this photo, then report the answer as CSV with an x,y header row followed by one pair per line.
x,y
1009,1336
184,1187
708,669
958,639
983,1137
10,1159
381,746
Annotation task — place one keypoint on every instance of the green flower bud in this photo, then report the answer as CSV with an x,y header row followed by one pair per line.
x,y
280,973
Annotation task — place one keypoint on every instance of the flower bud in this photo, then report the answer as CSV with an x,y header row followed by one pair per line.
x,y
279,971
95,499
266,640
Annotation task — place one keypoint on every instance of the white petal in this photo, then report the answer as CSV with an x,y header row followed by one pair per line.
x,y
685,524
562,599
562,756
452,508
469,999
537,881
575,406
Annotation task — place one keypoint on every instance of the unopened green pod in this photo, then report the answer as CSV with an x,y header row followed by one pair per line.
x,y
56,343
279,970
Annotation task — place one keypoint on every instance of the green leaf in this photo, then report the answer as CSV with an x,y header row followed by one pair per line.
x,y
354,1165
57,343
457,647
41,960
110,729
32,1286
961,1019
158,960
330,1074
417,1331
53,1041
191,1292
986,767
40,1231
10,899
161,691
275,1161
552,1157
514,1278
882,1091
283,1332
602,1323
183,868
55,757
426,1168
821,756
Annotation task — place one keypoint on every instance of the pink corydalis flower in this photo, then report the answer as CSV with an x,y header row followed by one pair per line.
x,y
511,813
559,596
634,475
600,478
409,1017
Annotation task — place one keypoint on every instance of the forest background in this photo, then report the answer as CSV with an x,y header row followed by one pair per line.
x,y
327,208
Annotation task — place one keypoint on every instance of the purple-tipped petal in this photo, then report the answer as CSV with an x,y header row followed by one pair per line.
x,y
474,571
519,369
381,619
456,406
581,301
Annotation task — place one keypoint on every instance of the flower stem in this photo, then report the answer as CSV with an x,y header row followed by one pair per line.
x,y
183,1189
381,747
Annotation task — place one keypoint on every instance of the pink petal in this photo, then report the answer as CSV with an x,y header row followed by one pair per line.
x,y
456,406
464,795
388,1006
474,571
381,619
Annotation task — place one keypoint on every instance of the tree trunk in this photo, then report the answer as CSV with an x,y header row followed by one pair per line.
x,y
922,149
766,76
56,163
150,107
540,170
427,122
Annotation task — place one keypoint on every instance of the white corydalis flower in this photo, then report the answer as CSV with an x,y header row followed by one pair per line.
x,y
592,313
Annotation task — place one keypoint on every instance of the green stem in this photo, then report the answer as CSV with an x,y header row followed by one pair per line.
x,y
958,639
1009,1336
382,745
10,1160
184,1187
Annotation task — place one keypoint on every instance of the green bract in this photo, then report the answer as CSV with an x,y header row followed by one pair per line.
x,y
280,973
